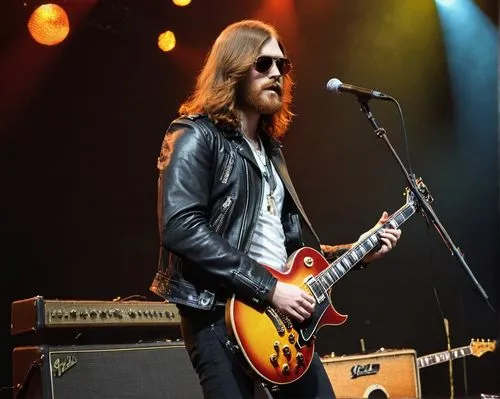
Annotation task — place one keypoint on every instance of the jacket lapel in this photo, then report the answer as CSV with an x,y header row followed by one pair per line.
x,y
236,139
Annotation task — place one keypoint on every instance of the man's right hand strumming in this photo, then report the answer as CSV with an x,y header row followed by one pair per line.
x,y
292,301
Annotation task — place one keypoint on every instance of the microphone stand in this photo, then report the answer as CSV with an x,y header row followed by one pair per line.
x,y
425,206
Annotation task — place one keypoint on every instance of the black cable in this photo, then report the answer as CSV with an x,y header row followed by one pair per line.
x,y
405,136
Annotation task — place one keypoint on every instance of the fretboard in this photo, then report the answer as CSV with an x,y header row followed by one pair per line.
x,y
442,357
336,270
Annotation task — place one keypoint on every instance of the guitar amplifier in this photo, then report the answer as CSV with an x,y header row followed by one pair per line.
x,y
384,374
34,315
129,371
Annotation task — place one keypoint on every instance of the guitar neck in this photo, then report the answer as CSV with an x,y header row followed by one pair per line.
x,y
336,270
441,357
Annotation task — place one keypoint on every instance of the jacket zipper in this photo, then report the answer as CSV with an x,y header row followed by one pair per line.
x,y
247,200
259,204
245,280
217,224
228,167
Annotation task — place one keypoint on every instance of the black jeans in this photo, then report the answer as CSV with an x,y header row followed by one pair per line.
x,y
219,369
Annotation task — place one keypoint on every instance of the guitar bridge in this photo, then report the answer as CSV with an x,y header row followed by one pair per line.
x,y
285,319
275,318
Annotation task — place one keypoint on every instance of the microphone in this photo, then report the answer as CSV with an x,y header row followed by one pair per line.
x,y
338,87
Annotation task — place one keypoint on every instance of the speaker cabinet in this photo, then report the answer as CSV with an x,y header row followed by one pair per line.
x,y
385,374
127,371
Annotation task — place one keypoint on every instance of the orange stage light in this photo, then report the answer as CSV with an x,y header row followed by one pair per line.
x,y
49,24
166,40
181,3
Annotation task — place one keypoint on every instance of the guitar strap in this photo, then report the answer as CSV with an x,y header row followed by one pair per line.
x,y
279,164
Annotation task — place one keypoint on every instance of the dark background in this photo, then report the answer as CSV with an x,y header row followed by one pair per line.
x,y
81,125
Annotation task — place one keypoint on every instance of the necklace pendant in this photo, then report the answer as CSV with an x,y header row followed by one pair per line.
x,y
271,205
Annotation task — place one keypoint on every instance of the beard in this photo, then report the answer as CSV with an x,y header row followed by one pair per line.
x,y
261,100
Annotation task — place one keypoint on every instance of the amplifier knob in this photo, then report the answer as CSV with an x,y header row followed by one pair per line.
x,y
131,313
73,314
103,314
155,313
59,314
93,314
170,315
117,313
84,314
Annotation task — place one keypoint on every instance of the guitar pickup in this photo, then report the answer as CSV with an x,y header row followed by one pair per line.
x,y
316,288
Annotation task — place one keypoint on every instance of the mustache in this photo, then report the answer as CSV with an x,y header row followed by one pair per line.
x,y
273,86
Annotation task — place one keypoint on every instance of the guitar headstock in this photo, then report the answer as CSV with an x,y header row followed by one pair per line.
x,y
480,347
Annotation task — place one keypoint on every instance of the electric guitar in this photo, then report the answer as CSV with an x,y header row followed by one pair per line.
x,y
279,350
476,348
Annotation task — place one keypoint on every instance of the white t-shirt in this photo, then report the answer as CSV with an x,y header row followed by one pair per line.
x,y
268,241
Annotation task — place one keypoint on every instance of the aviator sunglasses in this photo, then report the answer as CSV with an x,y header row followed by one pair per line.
x,y
265,62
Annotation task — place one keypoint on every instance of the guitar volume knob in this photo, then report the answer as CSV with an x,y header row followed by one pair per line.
x,y
274,359
285,369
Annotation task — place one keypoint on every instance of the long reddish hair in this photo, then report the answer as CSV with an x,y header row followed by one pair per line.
x,y
227,64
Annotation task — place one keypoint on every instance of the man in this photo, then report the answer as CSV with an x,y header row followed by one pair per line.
x,y
227,206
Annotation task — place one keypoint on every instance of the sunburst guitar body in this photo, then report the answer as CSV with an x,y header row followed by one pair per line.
x,y
277,349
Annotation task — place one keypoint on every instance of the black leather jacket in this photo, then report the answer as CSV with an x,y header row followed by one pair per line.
x,y
209,194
